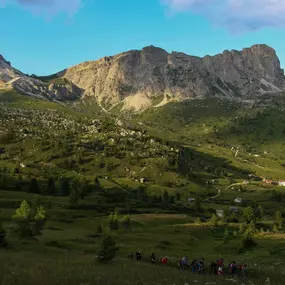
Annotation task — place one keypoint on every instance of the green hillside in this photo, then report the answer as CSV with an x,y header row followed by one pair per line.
x,y
81,163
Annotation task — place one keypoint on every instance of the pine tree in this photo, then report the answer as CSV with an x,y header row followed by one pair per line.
x,y
34,187
73,199
275,229
197,204
242,228
247,241
249,214
198,221
108,249
126,221
39,221
3,181
51,189
97,183
113,221
259,212
226,236
100,228
177,196
65,188
251,227
214,221
279,219
165,197
3,241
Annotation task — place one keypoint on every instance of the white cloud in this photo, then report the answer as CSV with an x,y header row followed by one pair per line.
x,y
48,8
235,15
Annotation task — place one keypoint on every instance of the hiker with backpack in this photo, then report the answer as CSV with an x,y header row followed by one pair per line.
x,y
233,268
184,263
243,271
200,266
194,266
164,260
138,256
220,266
152,258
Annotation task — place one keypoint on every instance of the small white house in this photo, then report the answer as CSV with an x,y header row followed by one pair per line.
x,y
142,180
281,183
22,164
220,213
238,200
191,200
233,209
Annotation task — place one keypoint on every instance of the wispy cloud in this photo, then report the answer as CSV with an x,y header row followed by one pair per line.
x,y
48,8
235,15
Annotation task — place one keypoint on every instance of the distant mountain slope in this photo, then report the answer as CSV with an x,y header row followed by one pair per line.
x,y
138,79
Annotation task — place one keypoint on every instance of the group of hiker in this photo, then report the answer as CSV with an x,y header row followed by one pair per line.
x,y
198,266
234,269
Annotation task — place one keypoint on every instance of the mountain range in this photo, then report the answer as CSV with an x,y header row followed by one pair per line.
x,y
138,79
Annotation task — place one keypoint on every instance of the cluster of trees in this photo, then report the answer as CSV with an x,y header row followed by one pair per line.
x,y
61,187
108,249
115,221
29,221
250,227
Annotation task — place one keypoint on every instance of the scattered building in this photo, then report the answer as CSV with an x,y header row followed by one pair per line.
x,y
191,200
220,213
267,181
22,164
238,200
233,209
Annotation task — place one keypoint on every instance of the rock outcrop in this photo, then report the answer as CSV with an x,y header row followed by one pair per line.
x,y
7,72
32,86
152,72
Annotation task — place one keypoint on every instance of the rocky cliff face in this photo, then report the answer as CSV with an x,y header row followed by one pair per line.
x,y
7,72
13,78
140,78
137,77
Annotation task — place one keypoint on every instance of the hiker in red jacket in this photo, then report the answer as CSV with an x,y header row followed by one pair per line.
x,y
164,260
220,266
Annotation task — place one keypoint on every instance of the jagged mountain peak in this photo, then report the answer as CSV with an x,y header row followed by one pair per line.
x,y
4,61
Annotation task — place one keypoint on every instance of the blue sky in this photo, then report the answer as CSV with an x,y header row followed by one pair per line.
x,y
51,35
